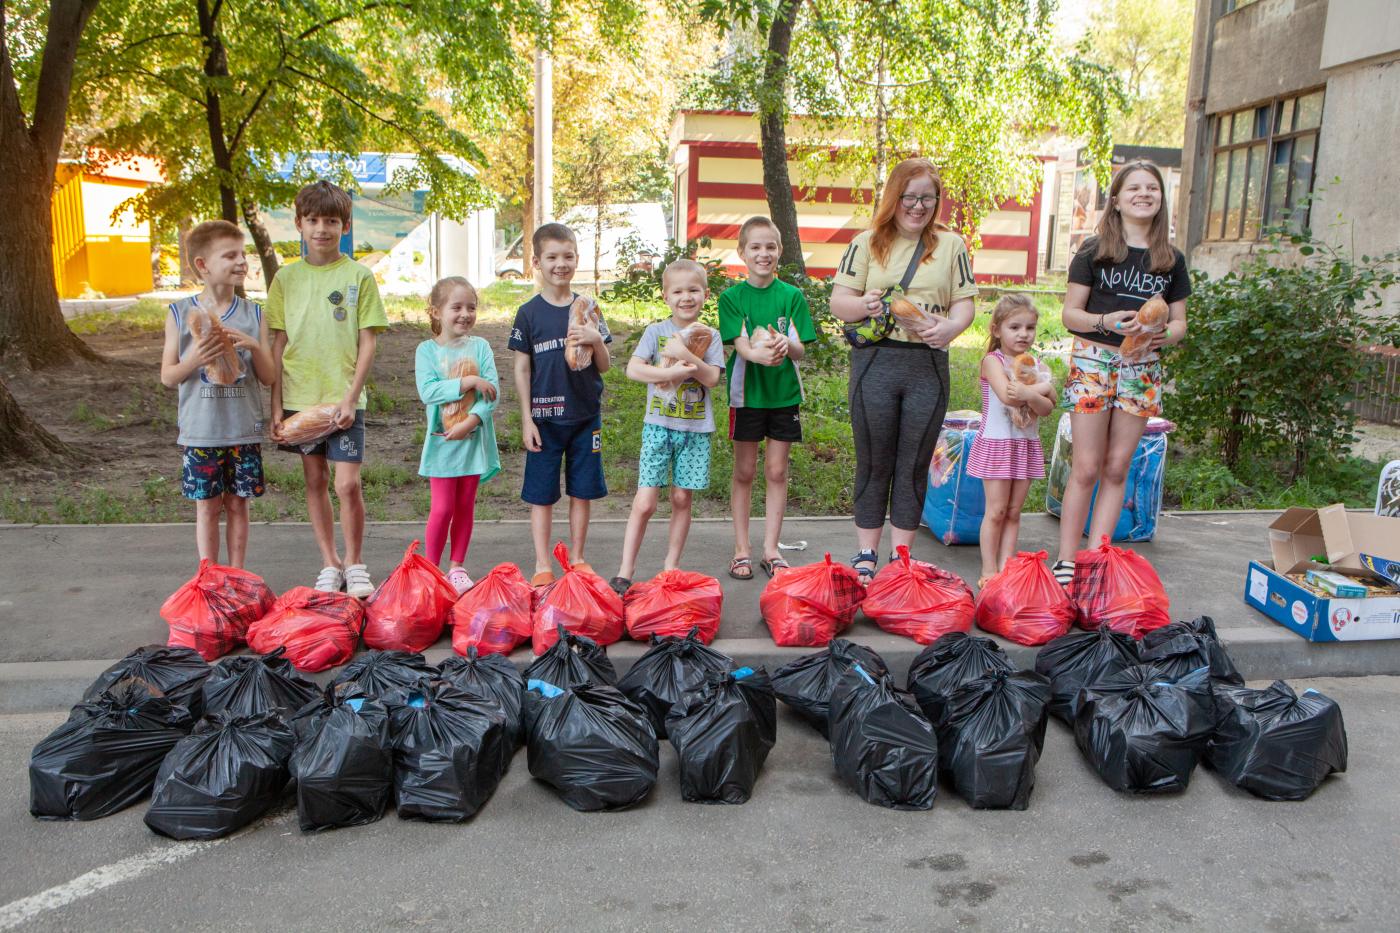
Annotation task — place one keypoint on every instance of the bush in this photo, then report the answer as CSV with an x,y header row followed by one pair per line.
x,y
1271,358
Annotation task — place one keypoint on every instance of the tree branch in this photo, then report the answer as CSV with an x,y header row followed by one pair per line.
x,y
164,35
343,95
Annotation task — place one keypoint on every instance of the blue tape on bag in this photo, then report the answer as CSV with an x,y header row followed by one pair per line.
x,y
543,687
742,672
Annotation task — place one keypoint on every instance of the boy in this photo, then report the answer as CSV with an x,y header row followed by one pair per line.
x,y
765,389
678,423
220,424
560,408
325,313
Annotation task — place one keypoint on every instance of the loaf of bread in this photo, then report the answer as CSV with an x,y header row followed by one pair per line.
x,y
454,413
582,312
227,369
308,425
1153,317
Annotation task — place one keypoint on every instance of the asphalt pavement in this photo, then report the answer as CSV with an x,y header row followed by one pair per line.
x,y
803,854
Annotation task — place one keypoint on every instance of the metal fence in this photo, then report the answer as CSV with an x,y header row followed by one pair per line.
x,y
1378,398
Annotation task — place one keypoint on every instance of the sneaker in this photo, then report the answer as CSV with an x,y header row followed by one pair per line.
x,y
357,581
1063,571
330,580
457,576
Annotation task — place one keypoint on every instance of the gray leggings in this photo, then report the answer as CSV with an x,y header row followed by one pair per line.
x,y
898,397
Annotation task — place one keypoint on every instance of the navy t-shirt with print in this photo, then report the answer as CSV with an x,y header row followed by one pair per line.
x,y
557,393
1124,286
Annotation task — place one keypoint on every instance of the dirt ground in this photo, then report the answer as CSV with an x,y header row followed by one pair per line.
x,y
126,418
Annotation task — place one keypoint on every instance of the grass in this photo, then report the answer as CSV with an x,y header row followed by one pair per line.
x,y
147,315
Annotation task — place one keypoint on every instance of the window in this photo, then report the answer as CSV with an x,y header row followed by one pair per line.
x,y
1233,5
1262,167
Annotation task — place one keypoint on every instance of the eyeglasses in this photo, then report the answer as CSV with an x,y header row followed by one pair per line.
x,y
923,200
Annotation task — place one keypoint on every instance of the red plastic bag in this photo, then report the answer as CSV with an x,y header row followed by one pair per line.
x,y
672,603
810,605
410,607
916,599
581,602
319,630
1024,603
211,613
1118,588
496,615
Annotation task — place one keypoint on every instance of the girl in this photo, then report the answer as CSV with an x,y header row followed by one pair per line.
x,y
899,383
457,459
1109,397
1005,456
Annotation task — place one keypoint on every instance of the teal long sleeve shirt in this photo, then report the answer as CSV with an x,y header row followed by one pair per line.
x,y
477,454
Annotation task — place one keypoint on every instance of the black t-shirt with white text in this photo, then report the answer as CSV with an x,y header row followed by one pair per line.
x,y
1124,286
557,393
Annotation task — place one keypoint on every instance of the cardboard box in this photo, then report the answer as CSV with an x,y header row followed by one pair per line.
x,y
1319,618
1297,535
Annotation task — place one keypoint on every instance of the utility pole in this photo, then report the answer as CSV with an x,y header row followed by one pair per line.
x,y
544,139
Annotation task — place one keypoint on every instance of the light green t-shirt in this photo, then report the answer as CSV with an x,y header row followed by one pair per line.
x,y
322,309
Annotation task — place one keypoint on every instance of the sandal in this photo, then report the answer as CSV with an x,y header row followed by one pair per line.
x,y
1063,571
869,558
620,585
741,568
772,565
584,566
543,578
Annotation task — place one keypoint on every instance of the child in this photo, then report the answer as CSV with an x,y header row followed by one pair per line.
x,y
459,456
677,426
1109,397
1006,456
325,314
560,407
220,424
765,390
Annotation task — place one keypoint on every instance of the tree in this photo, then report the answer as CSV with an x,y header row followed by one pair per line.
x,y
1148,45
975,86
24,440
35,81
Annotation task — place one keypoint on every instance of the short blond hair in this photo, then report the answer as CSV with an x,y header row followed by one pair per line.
x,y
753,223
678,266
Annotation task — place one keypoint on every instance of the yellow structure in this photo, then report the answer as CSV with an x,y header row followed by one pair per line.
x,y
93,251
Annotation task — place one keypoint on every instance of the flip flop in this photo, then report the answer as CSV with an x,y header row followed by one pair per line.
x,y
741,563
772,565
584,566
620,585
543,578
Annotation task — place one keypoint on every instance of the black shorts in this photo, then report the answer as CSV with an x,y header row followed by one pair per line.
x,y
754,424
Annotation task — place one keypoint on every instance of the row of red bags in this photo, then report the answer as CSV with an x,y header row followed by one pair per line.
x,y
222,608
1112,587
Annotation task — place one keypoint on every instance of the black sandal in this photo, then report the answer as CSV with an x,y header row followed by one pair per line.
x,y
865,557
741,563
772,566
620,585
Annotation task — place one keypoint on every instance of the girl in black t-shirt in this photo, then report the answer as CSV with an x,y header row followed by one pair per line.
x,y
1111,390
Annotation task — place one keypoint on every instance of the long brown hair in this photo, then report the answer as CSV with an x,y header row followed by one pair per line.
x,y
884,224
1111,247
1010,304
439,295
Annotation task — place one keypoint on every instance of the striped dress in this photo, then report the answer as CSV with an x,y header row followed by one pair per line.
x,y
1001,450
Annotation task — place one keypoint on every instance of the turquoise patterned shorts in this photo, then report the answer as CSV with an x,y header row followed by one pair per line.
x,y
666,451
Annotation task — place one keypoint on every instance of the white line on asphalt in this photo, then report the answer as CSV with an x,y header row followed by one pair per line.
x,y
127,869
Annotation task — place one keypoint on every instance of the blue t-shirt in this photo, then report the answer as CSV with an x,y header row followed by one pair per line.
x,y
557,393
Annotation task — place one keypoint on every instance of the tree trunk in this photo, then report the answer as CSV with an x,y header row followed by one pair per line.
x,y
880,134
772,125
262,242
216,66
23,440
30,319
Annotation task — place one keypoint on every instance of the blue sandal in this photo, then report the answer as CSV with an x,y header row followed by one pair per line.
x,y
869,558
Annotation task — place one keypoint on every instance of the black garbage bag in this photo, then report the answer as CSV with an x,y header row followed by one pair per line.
x,y
247,684
105,757
380,673
671,667
991,735
594,746
722,732
882,744
1181,647
1143,734
343,762
1080,659
450,750
1275,743
570,661
222,776
176,672
494,677
952,660
806,683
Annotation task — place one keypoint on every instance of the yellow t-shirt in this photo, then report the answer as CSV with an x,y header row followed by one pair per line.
x,y
937,283
322,309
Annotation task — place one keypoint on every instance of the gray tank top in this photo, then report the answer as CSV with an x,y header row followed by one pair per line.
x,y
215,415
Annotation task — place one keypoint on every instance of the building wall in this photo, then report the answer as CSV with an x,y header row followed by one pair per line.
x,y
1266,49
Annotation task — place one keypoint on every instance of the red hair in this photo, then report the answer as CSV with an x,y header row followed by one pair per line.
x,y
884,224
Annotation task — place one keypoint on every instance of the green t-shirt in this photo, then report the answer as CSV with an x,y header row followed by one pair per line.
x,y
782,307
322,309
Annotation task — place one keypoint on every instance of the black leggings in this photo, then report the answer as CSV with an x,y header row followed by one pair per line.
x,y
898,397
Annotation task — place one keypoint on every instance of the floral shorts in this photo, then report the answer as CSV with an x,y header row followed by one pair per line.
x,y
671,457
1100,379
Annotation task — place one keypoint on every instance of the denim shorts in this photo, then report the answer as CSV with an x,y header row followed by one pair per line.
x,y
579,447
209,472
347,446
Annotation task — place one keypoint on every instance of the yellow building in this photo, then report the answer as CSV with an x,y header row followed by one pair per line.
x,y
93,250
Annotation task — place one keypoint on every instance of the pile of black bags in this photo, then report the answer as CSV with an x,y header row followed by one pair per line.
x,y
883,746
670,669
806,684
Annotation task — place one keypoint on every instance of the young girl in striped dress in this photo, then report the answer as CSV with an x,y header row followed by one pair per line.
x,y
1005,455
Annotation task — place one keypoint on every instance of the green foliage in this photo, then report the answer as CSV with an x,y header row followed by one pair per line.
x,y
1271,358
1148,45
148,314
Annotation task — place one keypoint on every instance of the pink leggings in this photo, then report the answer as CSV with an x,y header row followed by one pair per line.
x,y
453,501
